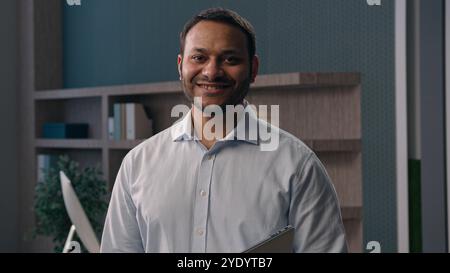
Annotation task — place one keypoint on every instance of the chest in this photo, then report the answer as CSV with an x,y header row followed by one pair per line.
x,y
222,190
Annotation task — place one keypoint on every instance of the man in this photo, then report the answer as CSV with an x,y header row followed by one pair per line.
x,y
183,191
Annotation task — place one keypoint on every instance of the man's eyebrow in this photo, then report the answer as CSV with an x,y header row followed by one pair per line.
x,y
223,52
199,49
231,51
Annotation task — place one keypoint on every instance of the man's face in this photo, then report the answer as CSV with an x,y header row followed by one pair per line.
x,y
216,65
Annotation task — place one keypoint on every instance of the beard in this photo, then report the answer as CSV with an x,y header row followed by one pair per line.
x,y
236,96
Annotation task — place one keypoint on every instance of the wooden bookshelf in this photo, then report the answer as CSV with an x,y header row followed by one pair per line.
x,y
124,144
323,145
334,145
280,81
69,143
322,109
351,213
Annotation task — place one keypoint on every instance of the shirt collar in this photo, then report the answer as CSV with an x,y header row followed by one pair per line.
x,y
246,129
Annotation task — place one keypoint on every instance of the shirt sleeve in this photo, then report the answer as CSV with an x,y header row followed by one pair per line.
x,y
121,230
314,211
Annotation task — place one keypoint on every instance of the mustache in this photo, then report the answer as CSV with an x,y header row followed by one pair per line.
x,y
215,81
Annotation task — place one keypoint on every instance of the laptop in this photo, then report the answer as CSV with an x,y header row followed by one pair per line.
x,y
279,242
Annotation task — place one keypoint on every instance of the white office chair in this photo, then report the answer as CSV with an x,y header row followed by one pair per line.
x,y
80,222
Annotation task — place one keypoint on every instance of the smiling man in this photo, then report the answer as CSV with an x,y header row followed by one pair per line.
x,y
182,192
217,64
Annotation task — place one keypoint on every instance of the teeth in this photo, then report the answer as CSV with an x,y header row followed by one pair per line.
x,y
212,87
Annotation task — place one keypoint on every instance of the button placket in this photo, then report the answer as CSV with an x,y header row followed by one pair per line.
x,y
202,203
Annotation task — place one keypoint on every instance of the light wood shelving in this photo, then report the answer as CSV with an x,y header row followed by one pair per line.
x,y
322,109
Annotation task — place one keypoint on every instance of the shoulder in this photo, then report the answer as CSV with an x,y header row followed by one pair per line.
x,y
295,153
149,145
284,143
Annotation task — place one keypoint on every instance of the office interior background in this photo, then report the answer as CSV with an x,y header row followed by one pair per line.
x,y
399,49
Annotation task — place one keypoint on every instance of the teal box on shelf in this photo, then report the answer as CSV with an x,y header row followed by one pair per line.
x,y
65,130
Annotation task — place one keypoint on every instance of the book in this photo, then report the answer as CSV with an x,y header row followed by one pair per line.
x,y
40,167
123,118
110,128
44,162
138,125
117,118
65,130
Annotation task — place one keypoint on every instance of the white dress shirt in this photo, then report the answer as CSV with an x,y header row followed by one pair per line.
x,y
172,194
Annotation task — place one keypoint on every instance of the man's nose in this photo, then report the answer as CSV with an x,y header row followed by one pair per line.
x,y
213,70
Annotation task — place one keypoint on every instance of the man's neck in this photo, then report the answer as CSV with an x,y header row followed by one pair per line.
x,y
199,120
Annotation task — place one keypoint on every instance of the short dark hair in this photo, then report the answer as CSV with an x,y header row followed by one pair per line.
x,y
225,16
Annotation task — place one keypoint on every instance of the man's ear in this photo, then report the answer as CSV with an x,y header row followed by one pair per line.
x,y
255,67
180,63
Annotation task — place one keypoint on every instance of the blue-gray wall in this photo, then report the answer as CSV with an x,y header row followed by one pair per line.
x,y
116,42
8,116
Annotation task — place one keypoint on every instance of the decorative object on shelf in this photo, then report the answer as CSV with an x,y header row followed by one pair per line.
x,y
65,130
51,215
130,122
138,125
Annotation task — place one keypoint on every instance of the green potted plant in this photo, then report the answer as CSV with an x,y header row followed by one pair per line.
x,y
51,216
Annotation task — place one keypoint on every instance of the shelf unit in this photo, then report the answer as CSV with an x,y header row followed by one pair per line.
x,y
322,109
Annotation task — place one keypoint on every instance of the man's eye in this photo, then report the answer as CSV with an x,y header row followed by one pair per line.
x,y
232,60
198,58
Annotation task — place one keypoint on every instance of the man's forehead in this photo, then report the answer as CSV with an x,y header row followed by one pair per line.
x,y
230,50
205,34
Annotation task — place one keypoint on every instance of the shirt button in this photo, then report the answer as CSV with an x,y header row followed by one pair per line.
x,y
203,193
210,157
200,231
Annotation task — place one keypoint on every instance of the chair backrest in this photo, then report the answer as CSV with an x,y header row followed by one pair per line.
x,y
78,216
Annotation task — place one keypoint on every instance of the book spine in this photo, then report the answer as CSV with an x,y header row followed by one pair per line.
x,y
47,163
130,121
40,167
110,128
123,120
52,160
117,121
